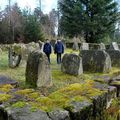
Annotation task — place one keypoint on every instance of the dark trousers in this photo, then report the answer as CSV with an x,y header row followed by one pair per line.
x,y
48,56
59,58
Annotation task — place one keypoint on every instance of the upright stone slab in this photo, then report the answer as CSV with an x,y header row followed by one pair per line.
x,y
96,61
84,46
38,72
40,44
13,58
75,44
72,64
102,46
115,57
114,46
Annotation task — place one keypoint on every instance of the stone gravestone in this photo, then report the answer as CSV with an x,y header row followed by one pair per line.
x,y
84,46
114,53
96,61
102,46
75,44
13,58
38,72
72,64
114,46
115,57
40,44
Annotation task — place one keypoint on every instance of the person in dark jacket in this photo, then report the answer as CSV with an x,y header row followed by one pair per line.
x,y
47,49
59,49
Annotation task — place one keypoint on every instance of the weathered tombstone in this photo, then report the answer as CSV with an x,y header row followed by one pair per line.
x,y
72,64
38,72
40,44
96,61
93,46
13,58
52,42
64,43
114,46
115,57
24,55
75,44
84,46
102,46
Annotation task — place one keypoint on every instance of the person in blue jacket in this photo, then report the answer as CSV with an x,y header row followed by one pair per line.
x,y
59,49
47,49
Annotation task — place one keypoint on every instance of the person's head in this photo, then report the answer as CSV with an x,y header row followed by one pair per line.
x,y
47,41
58,40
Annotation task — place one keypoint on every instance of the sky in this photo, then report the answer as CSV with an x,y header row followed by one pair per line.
x,y
47,5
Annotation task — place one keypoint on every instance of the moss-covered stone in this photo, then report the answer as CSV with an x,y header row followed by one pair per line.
x,y
19,104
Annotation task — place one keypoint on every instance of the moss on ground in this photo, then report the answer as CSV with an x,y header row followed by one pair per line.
x,y
60,98
19,104
4,97
6,88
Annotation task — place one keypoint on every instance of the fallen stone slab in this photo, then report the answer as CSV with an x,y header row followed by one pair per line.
x,y
81,110
22,114
117,85
102,79
6,80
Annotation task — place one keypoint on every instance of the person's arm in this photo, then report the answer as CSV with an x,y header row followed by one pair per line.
x,y
50,49
62,48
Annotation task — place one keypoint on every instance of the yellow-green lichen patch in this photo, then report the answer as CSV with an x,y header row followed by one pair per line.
x,y
5,97
84,89
25,92
34,95
61,98
6,88
116,83
19,104
17,48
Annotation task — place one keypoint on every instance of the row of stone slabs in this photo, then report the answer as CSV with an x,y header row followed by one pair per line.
x,y
90,61
38,70
113,46
81,110
94,46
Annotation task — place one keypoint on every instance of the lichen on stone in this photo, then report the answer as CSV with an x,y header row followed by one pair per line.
x,y
19,104
25,92
5,97
6,88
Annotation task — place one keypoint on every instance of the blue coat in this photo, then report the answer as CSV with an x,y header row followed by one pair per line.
x,y
59,47
47,48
